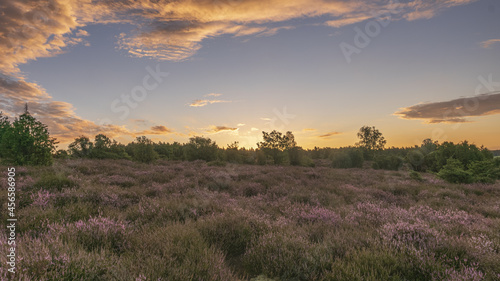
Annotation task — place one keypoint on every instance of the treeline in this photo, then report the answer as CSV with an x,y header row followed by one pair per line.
x,y
26,141
276,149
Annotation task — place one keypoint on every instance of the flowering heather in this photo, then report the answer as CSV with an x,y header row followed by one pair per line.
x,y
41,198
121,220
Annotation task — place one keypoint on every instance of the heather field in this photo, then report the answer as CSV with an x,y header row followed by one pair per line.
x,y
121,220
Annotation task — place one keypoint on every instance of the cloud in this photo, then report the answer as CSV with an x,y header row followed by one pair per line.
x,y
155,130
58,116
329,135
201,103
308,130
219,129
204,102
488,43
164,30
453,111
213,95
175,30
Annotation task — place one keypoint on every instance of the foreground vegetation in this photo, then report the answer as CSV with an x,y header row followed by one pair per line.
x,y
87,219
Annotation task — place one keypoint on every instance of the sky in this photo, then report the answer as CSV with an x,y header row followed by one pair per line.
x,y
230,69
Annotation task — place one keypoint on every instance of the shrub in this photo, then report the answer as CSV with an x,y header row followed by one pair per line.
x,y
416,176
282,256
54,182
388,162
341,160
484,171
348,158
230,233
454,172
416,160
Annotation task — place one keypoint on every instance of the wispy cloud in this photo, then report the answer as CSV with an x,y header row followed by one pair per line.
x,y
309,130
213,95
329,135
219,129
156,130
204,102
488,43
201,103
453,111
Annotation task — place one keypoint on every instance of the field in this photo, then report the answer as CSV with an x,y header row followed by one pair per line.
x,y
122,220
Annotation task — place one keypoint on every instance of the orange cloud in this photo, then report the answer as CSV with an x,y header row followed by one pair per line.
x,y
155,130
204,102
488,43
329,135
218,129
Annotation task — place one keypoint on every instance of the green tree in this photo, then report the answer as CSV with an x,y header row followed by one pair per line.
x,y
232,153
200,148
275,143
143,150
4,128
27,141
81,148
371,139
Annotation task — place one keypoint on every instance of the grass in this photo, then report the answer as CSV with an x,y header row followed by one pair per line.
x,y
120,220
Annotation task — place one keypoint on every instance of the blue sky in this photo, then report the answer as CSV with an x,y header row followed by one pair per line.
x,y
258,67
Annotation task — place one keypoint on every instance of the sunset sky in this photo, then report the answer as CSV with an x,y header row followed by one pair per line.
x,y
230,69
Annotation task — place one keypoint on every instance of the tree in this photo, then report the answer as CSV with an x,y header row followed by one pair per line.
x,y
200,148
4,128
82,147
143,150
276,140
102,142
371,139
275,143
232,153
26,141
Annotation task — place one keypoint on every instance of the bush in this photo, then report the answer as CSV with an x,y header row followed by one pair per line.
x,y
341,160
416,176
454,172
230,233
416,160
484,171
387,162
348,158
54,182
